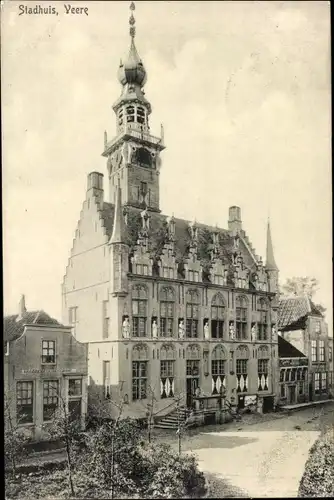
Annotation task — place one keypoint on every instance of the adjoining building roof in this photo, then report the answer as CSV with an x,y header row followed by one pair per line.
x,y
287,350
293,310
14,325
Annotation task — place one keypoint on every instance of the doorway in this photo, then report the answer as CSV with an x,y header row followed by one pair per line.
x,y
192,384
292,394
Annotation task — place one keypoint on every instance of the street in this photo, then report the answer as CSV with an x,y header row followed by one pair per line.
x,y
261,456
265,459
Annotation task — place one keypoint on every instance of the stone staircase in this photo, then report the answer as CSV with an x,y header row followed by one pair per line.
x,y
170,421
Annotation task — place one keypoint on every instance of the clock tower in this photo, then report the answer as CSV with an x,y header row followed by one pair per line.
x,y
133,156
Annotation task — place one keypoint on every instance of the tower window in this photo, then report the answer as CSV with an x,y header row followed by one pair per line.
x,y
140,115
130,111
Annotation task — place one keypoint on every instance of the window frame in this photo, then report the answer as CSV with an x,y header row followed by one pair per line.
x,y
192,314
241,318
50,402
139,380
46,348
262,325
139,303
26,389
314,351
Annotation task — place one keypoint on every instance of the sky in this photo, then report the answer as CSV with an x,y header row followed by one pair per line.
x,y
243,92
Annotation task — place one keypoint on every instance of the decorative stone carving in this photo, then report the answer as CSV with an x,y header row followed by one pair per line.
x,y
232,331
254,332
181,329
206,331
154,330
126,153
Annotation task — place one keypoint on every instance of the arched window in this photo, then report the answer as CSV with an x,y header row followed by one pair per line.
x,y
217,317
139,372
139,311
167,299
143,157
192,313
218,369
242,356
241,317
263,319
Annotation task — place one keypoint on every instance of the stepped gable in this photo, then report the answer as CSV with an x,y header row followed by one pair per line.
x,y
158,235
14,325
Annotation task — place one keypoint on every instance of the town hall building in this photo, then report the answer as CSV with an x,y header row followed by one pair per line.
x,y
169,307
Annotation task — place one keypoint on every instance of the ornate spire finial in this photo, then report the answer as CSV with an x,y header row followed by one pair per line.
x,y
132,21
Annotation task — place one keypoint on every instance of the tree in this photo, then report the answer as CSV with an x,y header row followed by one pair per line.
x,y
14,438
299,285
150,411
66,427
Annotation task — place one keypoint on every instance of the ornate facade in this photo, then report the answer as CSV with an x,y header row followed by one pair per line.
x,y
167,305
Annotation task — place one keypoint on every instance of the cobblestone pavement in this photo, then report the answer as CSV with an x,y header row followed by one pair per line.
x,y
261,456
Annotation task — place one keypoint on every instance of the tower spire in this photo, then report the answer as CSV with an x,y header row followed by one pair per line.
x,y
119,230
270,259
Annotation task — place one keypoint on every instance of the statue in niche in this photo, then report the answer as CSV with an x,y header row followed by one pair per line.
x,y
273,332
181,329
154,329
126,328
126,149
232,331
206,330
253,333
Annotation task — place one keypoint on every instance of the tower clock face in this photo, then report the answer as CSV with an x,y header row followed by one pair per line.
x,y
143,157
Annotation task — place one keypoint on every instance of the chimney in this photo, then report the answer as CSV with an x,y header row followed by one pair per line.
x,y
95,188
22,307
234,219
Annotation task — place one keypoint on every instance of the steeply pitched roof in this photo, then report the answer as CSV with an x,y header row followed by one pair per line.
x,y
287,350
158,233
14,327
294,309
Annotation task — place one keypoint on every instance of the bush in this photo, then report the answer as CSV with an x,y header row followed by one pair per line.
x,y
318,477
136,468
170,475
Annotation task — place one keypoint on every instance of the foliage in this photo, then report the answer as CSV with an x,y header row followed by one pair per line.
x,y
170,475
14,438
299,285
67,428
318,477
141,469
